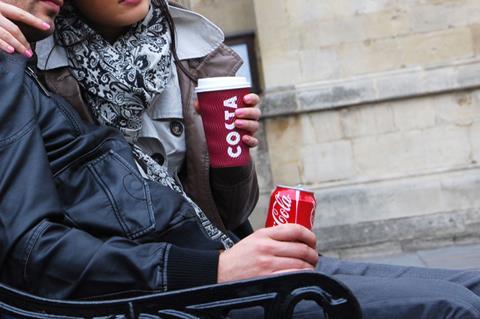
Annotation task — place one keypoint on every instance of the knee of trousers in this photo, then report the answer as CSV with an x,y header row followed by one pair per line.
x,y
413,298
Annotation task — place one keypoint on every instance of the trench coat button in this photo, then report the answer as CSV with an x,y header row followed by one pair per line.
x,y
176,128
157,157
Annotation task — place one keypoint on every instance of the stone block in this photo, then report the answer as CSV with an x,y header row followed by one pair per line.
x,y
261,159
334,94
424,242
476,37
370,251
371,6
411,50
467,74
263,168
286,134
233,17
281,68
317,34
413,233
429,15
326,125
411,114
286,173
326,162
397,198
308,128
282,101
275,29
389,23
370,56
475,141
313,10
412,152
438,47
462,108
368,120
318,65
259,215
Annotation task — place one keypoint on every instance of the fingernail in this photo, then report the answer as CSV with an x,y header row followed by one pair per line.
x,y
10,49
28,53
247,99
46,26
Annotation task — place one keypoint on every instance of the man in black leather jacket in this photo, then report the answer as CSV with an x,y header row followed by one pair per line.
x,y
78,220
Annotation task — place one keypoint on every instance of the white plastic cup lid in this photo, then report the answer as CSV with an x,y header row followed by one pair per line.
x,y
221,84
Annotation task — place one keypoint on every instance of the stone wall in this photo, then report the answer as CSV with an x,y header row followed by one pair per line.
x,y
234,17
374,105
391,172
313,40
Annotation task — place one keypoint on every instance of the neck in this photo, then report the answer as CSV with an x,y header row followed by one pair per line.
x,y
111,34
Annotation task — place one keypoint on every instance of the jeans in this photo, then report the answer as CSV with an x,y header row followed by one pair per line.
x,y
397,292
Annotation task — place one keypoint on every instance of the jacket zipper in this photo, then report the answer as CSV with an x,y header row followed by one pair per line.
x,y
34,76
64,110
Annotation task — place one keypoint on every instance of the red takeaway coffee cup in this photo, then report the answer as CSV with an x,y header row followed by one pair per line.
x,y
218,98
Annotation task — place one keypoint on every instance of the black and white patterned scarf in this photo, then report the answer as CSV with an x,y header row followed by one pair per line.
x,y
121,79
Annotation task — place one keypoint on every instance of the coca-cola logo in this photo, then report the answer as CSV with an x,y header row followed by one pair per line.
x,y
281,209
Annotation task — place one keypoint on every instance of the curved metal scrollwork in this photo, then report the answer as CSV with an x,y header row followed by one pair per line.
x,y
277,295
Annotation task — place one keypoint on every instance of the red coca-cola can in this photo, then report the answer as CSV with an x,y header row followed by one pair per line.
x,y
291,205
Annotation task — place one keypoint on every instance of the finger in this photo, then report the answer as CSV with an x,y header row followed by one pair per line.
x,y
249,113
14,42
250,141
295,250
247,125
292,233
14,30
196,106
6,47
251,99
14,13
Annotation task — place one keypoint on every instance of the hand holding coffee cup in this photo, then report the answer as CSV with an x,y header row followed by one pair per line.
x,y
219,99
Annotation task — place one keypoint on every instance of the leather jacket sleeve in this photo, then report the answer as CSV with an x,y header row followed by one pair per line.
x,y
40,250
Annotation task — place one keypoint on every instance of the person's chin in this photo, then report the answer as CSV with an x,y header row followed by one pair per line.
x,y
33,34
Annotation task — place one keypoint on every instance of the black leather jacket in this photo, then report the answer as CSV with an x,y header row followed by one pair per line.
x,y
76,218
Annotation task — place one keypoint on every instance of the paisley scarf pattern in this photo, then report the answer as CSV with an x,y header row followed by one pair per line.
x,y
121,78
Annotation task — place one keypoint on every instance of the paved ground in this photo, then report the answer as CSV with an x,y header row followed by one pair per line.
x,y
456,257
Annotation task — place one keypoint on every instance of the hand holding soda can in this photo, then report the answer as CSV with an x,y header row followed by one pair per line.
x,y
218,99
291,205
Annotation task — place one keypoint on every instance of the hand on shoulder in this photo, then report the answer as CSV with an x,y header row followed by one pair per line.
x,y
11,37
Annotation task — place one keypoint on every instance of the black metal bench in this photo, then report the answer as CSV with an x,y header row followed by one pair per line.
x,y
278,296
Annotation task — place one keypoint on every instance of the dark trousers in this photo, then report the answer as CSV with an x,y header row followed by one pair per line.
x,y
398,292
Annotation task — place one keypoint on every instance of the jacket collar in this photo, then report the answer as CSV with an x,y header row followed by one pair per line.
x,y
196,37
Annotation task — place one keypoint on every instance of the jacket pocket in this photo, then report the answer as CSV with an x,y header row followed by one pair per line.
x,y
107,197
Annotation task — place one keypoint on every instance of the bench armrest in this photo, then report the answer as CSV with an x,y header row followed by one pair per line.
x,y
278,295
